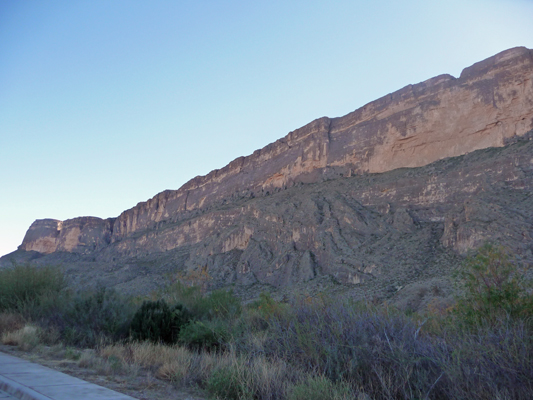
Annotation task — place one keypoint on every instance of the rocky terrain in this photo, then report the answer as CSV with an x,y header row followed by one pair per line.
x,y
386,198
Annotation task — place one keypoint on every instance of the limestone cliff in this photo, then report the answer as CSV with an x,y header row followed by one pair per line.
x,y
442,117
256,221
80,235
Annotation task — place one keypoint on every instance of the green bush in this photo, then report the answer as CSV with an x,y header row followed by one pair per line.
x,y
23,288
220,304
217,304
493,288
267,306
158,322
261,311
208,335
90,317
182,294
228,383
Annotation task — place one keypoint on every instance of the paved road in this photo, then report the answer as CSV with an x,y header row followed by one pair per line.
x,y
24,380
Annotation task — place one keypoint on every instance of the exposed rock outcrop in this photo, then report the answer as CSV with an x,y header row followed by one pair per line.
x,y
415,126
259,221
42,236
78,235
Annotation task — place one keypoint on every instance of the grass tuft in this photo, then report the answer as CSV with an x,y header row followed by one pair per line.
x,y
26,338
9,322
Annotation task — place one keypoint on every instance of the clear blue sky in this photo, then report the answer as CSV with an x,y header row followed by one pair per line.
x,y
103,104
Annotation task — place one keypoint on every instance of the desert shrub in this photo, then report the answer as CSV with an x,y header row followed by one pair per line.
x,y
269,378
388,355
177,292
383,351
319,388
217,304
72,354
25,338
220,304
158,322
92,317
10,322
267,306
23,287
489,362
207,335
258,313
177,369
166,362
253,321
493,288
229,382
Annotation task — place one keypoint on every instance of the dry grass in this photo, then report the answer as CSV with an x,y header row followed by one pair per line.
x,y
88,360
25,338
235,376
88,365
146,354
174,371
171,363
10,322
179,365
270,378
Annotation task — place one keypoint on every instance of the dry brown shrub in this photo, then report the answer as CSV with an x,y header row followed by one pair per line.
x,y
88,360
151,355
170,362
26,338
257,376
10,322
268,376
202,366
175,370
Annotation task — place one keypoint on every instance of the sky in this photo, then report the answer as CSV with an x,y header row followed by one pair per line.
x,y
104,104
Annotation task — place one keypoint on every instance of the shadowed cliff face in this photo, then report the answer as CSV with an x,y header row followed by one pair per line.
x,y
335,199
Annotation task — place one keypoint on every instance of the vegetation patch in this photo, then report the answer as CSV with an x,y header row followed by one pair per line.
x,y
310,348
158,322
24,288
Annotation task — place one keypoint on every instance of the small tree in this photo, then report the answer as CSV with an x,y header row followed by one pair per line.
x,y
494,287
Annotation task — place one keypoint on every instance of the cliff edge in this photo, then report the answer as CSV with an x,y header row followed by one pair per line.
x,y
389,195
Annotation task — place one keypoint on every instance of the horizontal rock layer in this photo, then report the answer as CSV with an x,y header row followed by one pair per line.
x,y
83,234
215,221
370,233
441,117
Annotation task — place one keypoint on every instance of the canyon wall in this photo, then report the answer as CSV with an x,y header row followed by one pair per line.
x,y
490,103
78,235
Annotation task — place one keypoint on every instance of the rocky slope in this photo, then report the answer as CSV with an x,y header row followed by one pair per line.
x,y
361,201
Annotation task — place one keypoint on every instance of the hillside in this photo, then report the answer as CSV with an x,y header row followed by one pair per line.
x,y
371,204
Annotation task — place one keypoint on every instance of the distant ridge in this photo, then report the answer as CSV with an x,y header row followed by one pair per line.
x,y
226,222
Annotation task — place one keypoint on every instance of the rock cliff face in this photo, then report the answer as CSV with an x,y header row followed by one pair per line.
x,y
441,117
283,215
79,235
